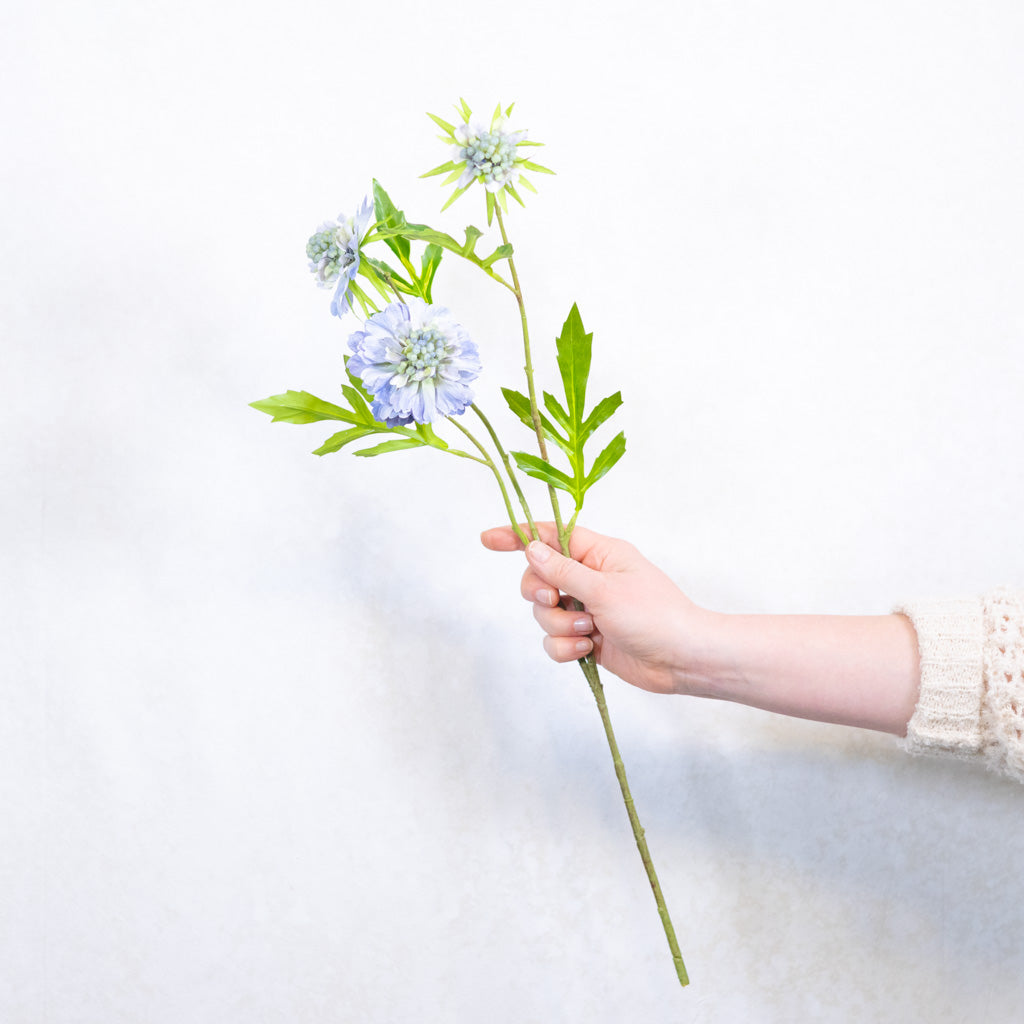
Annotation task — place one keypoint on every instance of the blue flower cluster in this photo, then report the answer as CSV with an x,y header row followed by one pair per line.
x,y
416,361
334,254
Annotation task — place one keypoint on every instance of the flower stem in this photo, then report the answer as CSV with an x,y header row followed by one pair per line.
x,y
538,429
497,476
588,665
508,469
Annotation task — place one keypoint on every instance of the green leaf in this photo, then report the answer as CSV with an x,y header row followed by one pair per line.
x,y
336,441
600,413
431,261
533,465
455,195
448,165
513,193
466,249
615,450
301,407
426,431
358,402
503,252
554,407
520,406
531,166
441,123
386,274
389,216
574,349
396,445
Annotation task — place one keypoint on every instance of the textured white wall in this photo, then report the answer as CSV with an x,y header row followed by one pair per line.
x,y
278,740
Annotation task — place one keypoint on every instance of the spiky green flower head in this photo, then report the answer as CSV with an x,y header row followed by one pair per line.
x,y
491,154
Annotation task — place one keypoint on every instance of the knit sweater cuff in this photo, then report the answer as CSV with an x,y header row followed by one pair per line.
x,y
950,637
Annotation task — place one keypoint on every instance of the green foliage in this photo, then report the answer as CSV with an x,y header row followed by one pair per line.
x,y
401,228
302,407
568,427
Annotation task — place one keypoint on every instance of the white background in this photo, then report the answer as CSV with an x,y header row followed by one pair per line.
x,y
278,740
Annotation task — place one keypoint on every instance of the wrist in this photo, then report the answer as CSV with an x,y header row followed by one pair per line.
x,y
704,658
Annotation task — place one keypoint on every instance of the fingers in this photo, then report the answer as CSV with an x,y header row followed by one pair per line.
x,y
564,621
503,538
533,588
563,573
584,545
564,649
568,632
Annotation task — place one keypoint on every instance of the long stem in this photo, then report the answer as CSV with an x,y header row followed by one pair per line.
x,y
511,472
538,429
497,476
588,665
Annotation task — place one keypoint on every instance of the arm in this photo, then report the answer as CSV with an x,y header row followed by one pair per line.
x,y
851,670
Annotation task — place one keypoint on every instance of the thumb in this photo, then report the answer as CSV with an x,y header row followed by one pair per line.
x,y
566,574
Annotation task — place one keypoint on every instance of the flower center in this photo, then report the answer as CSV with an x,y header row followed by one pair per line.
x,y
422,352
330,251
491,155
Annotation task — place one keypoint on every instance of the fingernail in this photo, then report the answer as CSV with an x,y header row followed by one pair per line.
x,y
538,551
546,597
583,646
582,625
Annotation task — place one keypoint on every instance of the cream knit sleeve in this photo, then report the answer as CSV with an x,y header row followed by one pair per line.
x,y
971,703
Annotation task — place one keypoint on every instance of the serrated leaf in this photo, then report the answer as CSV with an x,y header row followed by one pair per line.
x,y
466,249
301,407
554,407
432,256
600,413
533,465
520,406
615,450
472,234
503,252
358,402
389,216
336,441
387,274
397,445
573,348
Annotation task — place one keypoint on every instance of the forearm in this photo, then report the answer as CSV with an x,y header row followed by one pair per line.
x,y
852,670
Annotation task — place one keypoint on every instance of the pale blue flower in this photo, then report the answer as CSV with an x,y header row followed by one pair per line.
x,y
488,155
416,361
334,254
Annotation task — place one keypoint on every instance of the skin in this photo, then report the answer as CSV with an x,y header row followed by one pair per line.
x,y
851,670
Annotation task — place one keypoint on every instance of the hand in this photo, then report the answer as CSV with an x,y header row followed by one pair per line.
x,y
637,622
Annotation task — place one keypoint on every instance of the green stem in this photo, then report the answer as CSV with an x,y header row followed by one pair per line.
x,y
538,429
497,476
511,473
588,665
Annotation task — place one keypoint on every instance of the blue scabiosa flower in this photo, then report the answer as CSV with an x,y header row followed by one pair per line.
x,y
491,154
416,361
334,254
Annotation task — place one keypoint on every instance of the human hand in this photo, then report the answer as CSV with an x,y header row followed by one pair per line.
x,y
637,622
